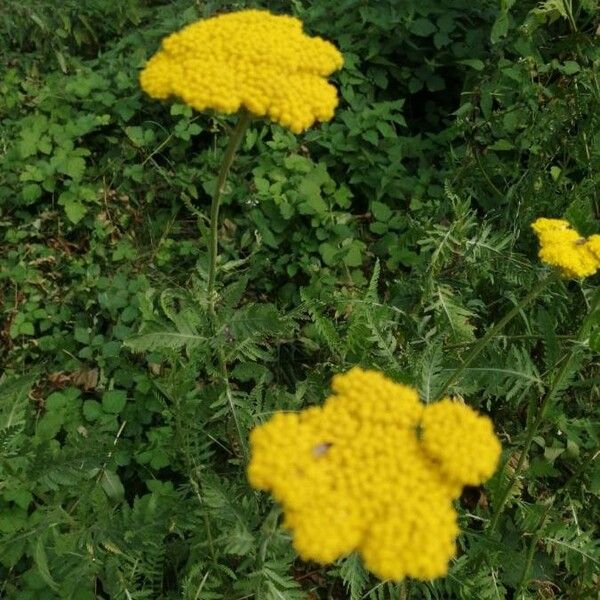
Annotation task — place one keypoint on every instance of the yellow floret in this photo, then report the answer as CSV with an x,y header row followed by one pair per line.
x,y
249,58
593,245
416,539
461,441
373,470
563,247
543,224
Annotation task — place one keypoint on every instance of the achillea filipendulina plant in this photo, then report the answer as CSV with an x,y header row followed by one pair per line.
x,y
374,470
563,247
250,62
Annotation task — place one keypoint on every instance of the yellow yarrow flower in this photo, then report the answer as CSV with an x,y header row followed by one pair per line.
x,y
251,59
563,247
374,470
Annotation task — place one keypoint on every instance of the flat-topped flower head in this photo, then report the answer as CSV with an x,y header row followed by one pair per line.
x,y
563,247
374,470
252,59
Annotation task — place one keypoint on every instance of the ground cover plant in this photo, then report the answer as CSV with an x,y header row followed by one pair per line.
x,y
396,236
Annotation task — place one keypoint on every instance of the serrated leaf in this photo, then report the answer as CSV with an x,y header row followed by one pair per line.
x,y
381,211
114,401
354,576
31,192
41,562
73,166
14,394
422,27
75,210
329,253
353,257
163,340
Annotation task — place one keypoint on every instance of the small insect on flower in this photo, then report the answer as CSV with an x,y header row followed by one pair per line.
x,y
321,448
252,59
374,470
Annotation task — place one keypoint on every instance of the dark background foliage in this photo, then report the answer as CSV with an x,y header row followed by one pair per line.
x,y
393,237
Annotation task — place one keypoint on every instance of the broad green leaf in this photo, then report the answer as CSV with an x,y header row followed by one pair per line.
x,y
31,193
382,212
92,410
353,256
114,401
499,28
329,253
422,27
75,210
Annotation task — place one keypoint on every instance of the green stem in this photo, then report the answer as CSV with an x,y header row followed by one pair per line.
x,y
232,147
535,538
403,590
231,402
497,328
534,423
234,143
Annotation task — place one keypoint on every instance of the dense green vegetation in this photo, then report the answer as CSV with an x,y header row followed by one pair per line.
x,y
393,237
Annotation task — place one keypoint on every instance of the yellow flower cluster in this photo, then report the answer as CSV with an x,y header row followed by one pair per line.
x,y
561,246
249,58
374,470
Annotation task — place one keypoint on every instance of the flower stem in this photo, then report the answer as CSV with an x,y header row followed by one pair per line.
x,y
491,333
234,143
403,590
535,422
213,246
535,538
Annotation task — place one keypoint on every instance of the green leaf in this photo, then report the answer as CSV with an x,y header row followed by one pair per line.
x,y
114,401
26,328
595,341
594,485
570,67
499,28
474,63
111,349
502,145
353,256
310,191
73,166
371,136
354,576
31,192
75,210
82,335
92,410
140,137
14,395
422,27
28,144
20,496
386,130
112,486
163,340
381,211
41,562
329,253
435,83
